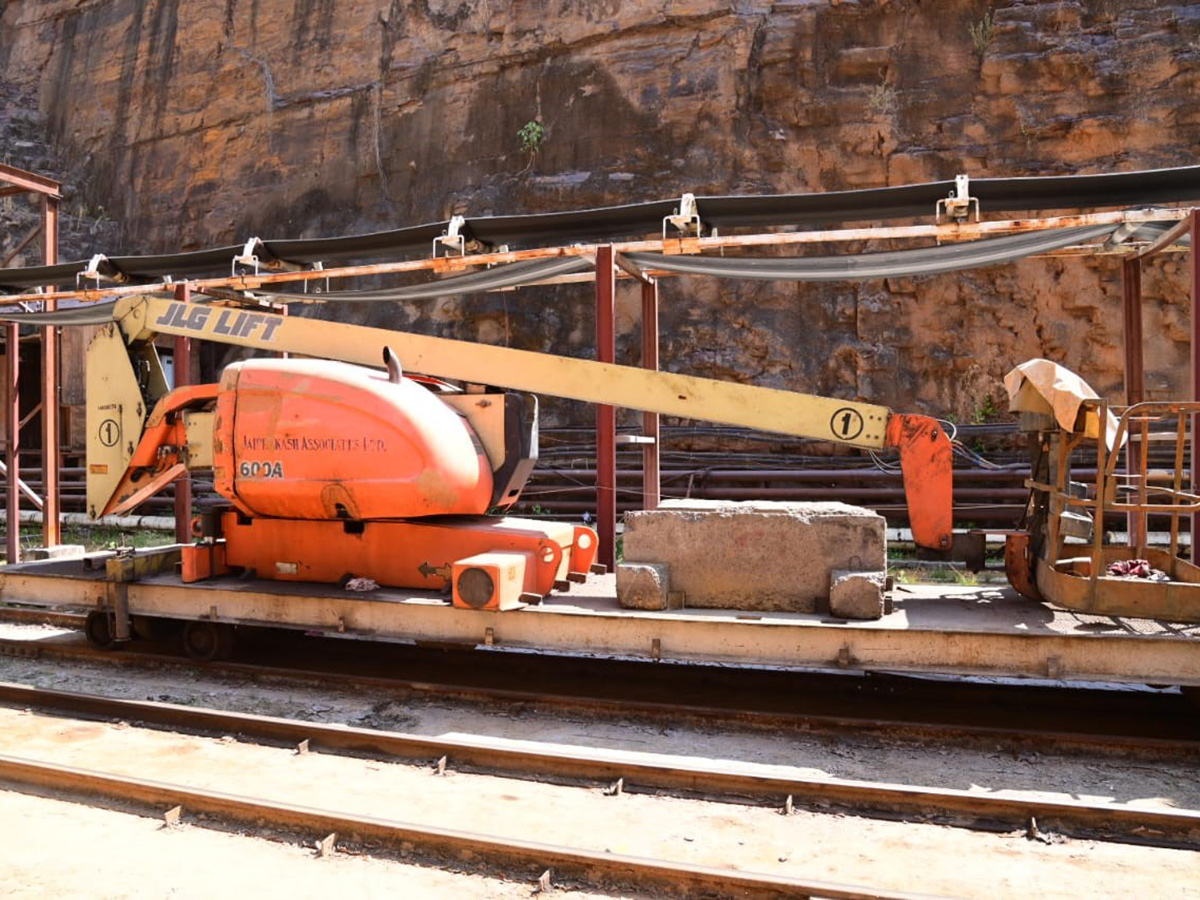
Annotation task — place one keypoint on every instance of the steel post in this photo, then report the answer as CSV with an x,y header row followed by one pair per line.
x,y
182,361
51,532
606,416
20,181
651,478
12,443
1131,306
1194,225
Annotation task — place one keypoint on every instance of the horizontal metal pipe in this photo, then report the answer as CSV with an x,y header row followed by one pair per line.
x,y
710,492
131,523
961,476
576,508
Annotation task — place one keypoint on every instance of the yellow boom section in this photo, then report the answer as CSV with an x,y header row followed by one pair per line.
x,y
786,412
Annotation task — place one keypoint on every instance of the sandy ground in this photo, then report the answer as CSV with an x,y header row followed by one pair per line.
x,y
91,845
65,850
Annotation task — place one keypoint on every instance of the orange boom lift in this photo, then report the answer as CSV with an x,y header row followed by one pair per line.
x,y
333,469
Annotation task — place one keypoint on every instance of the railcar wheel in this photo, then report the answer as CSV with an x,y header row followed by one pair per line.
x,y
98,629
207,641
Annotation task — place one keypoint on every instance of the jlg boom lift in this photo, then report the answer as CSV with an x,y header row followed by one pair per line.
x,y
334,467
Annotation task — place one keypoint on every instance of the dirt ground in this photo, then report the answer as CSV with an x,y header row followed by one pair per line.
x,y
68,849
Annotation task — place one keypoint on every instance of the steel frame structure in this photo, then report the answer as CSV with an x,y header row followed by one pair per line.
x,y
612,266
1131,294
49,191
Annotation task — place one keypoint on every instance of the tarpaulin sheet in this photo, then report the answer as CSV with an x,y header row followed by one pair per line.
x,y
1043,386
925,261
92,314
512,275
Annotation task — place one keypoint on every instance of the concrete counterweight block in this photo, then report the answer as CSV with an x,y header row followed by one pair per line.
x,y
857,595
756,555
643,585
59,551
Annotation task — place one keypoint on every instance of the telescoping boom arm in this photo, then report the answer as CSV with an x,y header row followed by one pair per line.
x,y
925,451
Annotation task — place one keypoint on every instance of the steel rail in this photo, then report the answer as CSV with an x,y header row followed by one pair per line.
x,y
675,878
959,807
80,651
445,264
26,616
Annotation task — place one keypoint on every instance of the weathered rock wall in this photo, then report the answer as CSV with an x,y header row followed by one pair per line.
x,y
204,122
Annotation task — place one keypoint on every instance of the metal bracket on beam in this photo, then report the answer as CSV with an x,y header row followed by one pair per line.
x,y
686,218
92,271
248,257
457,237
958,204
454,238
317,266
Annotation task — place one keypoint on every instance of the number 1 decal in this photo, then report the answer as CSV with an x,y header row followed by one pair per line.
x,y
846,424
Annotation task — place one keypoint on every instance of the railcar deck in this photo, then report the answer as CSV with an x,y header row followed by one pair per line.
x,y
986,630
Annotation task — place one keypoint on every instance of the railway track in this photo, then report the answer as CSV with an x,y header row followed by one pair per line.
x,y
638,772
1021,718
445,846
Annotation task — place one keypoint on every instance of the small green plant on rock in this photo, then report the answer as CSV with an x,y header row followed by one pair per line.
x,y
985,412
981,33
883,96
532,134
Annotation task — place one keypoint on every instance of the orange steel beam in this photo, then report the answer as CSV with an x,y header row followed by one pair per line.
x,y
21,181
651,477
1182,227
21,245
1193,221
12,442
28,181
51,528
606,416
1131,306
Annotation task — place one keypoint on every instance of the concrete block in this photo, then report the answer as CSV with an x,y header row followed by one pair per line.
x,y
643,585
756,555
59,551
857,595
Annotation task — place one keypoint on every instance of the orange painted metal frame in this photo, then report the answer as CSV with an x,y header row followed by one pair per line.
x,y
160,450
51,194
415,554
927,461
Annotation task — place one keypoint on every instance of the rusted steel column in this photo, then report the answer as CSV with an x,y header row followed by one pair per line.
x,y
1131,291
651,479
1131,306
51,533
1194,227
606,416
183,375
12,443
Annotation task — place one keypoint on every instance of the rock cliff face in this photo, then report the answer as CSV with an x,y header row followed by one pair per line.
x,y
203,122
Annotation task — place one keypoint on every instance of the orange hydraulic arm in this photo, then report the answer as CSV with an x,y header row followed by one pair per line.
x,y
161,454
927,463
